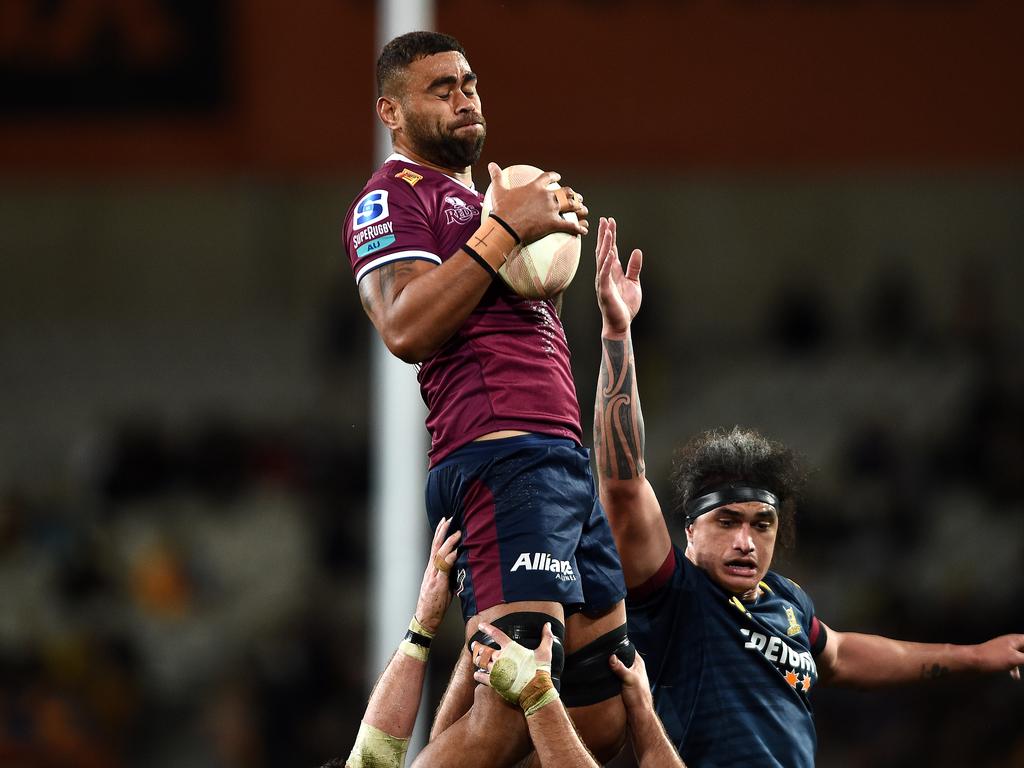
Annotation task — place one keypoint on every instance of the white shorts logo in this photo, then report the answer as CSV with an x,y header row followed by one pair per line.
x,y
542,561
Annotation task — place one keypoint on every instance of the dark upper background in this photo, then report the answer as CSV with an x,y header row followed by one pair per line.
x,y
830,197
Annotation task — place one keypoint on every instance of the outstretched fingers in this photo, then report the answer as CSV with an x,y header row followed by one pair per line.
x,y
449,549
484,656
439,533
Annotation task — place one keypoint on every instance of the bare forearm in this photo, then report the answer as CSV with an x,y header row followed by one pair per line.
x,y
633,511
870,661
618,419
650,742
556,741
395,700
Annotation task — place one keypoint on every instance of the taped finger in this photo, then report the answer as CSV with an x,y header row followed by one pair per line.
x,y
483,657
566,199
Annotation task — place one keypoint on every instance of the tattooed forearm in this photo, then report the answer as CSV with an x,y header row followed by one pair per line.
x,y
933,671
388,275
618,420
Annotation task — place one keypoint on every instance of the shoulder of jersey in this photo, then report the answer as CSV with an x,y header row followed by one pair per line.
x,y
394,180
786,584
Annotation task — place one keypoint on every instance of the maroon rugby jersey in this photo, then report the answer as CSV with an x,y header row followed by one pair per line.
x,y
508,366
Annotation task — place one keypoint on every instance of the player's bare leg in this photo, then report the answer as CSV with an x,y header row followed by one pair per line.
x,y
602,726
491,734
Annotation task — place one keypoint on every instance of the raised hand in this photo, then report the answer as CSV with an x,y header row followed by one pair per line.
x,y
618,293
1000,654
636,689
435,589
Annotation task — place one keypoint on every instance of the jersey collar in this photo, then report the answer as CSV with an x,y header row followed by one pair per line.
x,y
399,157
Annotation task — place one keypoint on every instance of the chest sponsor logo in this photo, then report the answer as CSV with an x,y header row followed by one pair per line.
x,y
408,177
542,561
456,211
371,208
797,668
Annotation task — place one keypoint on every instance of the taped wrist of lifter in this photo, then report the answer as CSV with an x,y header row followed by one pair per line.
x,y
417,641
538,693
375,748
491,244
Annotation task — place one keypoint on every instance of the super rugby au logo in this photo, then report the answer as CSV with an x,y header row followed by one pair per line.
x,y
457,212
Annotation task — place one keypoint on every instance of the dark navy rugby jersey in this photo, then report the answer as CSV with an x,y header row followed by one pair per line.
x,y
731,680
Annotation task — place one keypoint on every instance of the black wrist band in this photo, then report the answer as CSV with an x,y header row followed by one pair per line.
x,y
506,227
481,261
417,639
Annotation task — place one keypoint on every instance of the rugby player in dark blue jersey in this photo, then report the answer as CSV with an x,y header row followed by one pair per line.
x,y
732,648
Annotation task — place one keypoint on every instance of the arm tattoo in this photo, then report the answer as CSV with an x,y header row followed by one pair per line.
x,y
388,275
618,420
934,671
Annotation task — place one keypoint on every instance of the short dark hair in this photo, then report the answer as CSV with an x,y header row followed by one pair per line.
x,y
334,762
407,48
718,457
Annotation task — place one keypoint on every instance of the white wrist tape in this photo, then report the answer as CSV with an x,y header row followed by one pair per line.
x,y
376,749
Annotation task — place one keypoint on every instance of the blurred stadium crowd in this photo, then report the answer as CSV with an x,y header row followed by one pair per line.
x,y
830,200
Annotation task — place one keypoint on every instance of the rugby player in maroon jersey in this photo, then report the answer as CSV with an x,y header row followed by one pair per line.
x,y
506,456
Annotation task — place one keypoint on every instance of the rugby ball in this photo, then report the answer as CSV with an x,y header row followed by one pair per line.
x,y
544,268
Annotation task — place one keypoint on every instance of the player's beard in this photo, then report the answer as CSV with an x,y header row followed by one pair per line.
x,y
441,146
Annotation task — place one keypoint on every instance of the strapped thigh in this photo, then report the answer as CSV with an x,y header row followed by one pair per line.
x,y
587,678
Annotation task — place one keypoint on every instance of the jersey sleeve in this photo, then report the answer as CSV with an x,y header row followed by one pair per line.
x,y
388,222
817,635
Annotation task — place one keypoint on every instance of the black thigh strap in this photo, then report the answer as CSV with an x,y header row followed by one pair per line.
x,y
587,678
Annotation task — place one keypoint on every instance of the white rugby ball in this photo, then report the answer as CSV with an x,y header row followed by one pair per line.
x,y
544,268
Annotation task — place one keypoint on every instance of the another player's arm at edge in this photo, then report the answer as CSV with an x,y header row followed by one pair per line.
x,y
651,745
870,661
635,516
417,306
391,712
556,741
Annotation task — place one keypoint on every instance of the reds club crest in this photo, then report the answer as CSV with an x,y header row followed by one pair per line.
x,y
457,212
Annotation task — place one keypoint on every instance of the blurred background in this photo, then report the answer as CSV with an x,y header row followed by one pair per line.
x,y
830,197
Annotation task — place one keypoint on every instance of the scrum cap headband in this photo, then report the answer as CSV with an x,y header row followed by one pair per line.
x,y
728,495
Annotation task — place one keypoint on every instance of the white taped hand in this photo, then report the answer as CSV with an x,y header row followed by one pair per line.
x,y
516,667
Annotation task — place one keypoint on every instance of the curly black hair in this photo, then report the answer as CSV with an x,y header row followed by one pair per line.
x,y
718,457
407,48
